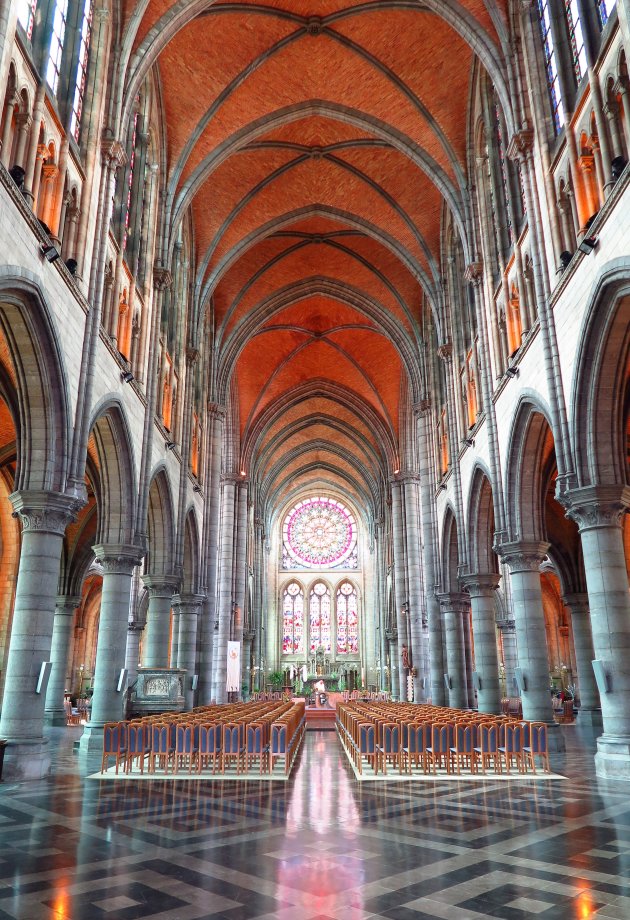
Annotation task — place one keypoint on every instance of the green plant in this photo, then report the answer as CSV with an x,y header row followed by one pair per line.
x,y
276,678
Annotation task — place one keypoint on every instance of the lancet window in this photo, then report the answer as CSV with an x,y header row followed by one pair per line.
x,y
551,65
293,619
82,66
347,619
319,617
57,38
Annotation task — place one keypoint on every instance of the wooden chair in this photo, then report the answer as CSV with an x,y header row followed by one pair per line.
x,y
162,746
536,746
256,747
438,752
462,752
232,746
512,746
209,745
114,744
186,745
138,745
487,752
418,739
390,747
366,746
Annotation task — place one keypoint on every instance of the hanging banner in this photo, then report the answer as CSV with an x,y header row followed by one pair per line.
x,y
233,678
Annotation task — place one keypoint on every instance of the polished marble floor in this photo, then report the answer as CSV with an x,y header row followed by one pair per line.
x,y
320,846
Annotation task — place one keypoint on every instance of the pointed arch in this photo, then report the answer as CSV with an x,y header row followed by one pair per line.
x,y
160,525
115,480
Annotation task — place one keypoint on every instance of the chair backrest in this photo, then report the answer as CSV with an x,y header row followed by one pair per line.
x,y
209,738
255,741
231,737
160,738
513,735
463,738
538,737
367,738
278,738
489,738
439,738
114,737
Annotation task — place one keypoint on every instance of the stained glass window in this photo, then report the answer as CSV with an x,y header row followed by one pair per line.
x,y
319,533
132,163
605,8
578,51
347,620
26,16
84,52
551,65
293,619
498,128
319,617
56,45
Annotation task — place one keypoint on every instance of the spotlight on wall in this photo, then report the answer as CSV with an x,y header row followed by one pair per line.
x,y
512,372
127,377
72,265
17,174
170,445
441,487
469,442
588,244
196,488
49,252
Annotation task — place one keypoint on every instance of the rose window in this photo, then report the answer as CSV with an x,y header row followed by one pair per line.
x,y
319,533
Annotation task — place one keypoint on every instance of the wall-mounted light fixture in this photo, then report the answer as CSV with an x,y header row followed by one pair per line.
x,y
469,442
170,445
512,372
588,244
196,488
49,252
126,377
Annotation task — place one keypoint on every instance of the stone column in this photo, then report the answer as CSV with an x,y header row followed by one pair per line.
x,y
60,650
157,633
226,555
598,511
118,562
44,517
216,418
454,606
414,578
468,656
510,654
188,608
482,589
132,650
33,147
248,637
399,584
394,670
5,152
524,560
174,653
590,707
240,564
23,122
436,646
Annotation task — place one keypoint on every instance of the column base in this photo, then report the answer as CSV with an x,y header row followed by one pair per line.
x,y
26,760
612,760
590,717
55,718
91,742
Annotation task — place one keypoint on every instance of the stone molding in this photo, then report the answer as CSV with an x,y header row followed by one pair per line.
x,y
506,625
597,506
117,558
192,354
523,555
216,411
521,144
578,604
422,409
113,153
474,273
481,585
404,477
445,351
44,512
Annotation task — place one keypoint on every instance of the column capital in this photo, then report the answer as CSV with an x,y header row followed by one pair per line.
x,y
455,601
117,558
445,351
474,273
192,354
113,153
162,277
45,512
422,408
523,555
521,144
578,604
506,625
67,603
188,603
481,584
216,411
597,506
161,585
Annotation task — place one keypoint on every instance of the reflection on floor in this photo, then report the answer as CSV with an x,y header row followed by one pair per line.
x,y
320,846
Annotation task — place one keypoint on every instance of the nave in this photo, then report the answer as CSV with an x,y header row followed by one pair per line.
x,y
80,849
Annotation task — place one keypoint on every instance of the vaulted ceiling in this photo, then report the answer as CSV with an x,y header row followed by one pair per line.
x,y
316,142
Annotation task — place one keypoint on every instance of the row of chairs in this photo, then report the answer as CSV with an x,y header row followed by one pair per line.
x,y
466,743
372,696
241,736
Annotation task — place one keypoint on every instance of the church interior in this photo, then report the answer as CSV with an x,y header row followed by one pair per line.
x,y
314,428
